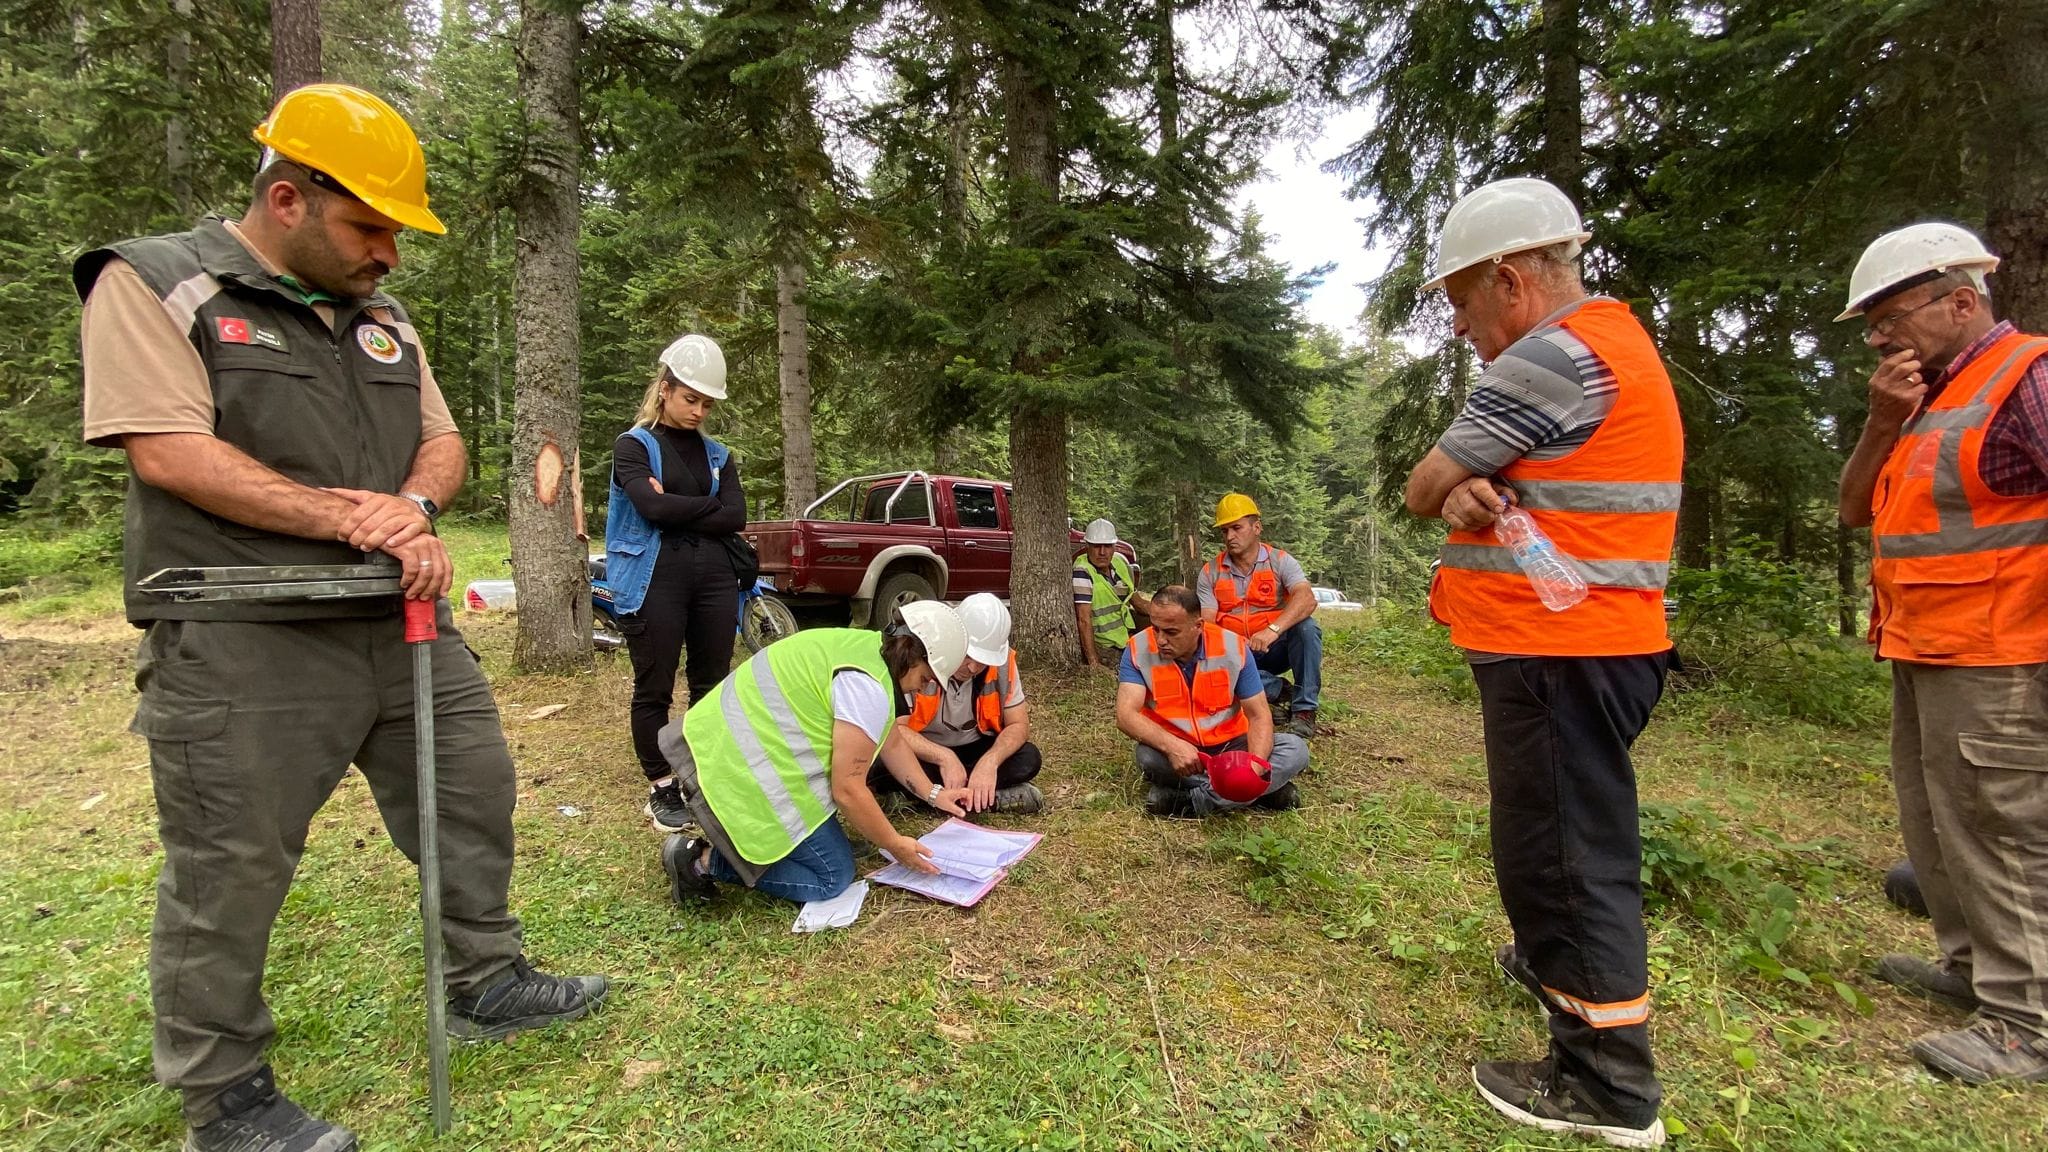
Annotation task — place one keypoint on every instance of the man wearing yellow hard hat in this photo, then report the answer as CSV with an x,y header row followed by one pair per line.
x,y
277,411
1260,592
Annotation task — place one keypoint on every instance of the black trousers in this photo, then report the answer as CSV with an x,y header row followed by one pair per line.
x,y
1020,768
1568,851
692,603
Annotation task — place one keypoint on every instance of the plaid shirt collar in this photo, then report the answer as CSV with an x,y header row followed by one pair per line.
x,y
1977,347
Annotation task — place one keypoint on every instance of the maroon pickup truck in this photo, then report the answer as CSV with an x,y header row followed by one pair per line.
x,y
875,542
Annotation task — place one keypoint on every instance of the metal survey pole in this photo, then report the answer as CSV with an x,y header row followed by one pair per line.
x,y
420,634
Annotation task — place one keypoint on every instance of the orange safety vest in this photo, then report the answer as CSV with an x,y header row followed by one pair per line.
x,y
1260,604
1611,505
1960,573
991,688
1204,710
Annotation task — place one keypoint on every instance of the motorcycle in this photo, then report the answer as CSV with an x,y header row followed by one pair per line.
x,y
763,619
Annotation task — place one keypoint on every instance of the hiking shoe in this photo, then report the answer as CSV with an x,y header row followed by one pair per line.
x,y
1302,724
1019,800
1517,969
523,998
1928,980
687,884
665,805
1280,799
256,1117
1163,801
1988,1051
1527,1093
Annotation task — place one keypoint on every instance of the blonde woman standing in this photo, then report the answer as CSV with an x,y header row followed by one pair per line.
x,y
675,499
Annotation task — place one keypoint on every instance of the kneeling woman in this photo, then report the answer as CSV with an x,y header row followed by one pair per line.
x,y
786,741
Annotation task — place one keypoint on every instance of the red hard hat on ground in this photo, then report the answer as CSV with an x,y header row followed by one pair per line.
x,y
1238,777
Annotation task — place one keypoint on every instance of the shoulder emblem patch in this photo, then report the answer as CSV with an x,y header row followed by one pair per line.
x,y
379,345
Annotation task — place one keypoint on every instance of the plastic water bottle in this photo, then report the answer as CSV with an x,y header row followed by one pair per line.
x,y
1556,580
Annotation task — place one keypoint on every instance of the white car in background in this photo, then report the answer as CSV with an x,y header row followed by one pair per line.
x,y
1332,600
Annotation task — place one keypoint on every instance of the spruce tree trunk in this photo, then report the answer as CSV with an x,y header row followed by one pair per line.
x,y
1042,557
177,143
1563,100
2016,143
294,45
793,364
548,566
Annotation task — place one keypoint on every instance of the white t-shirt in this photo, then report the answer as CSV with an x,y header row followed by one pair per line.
x,y
860,700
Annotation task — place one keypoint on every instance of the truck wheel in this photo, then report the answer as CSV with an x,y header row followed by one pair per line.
x,y
898,588
765,621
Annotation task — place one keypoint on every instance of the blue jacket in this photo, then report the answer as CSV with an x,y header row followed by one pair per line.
x,y
631,544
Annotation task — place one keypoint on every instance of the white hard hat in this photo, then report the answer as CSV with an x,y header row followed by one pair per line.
x,y
988,628
697,362
1897,260
938,625
1100,532
1501,219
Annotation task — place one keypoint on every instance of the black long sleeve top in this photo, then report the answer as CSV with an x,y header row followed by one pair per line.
x,y
684,506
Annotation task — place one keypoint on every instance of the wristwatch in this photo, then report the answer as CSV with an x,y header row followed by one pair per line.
x,y
426,504
932,796
1273,628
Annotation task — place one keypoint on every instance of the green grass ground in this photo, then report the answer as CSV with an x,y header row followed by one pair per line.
x,y
1318,980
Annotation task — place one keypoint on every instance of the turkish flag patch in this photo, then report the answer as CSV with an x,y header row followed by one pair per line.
x,y
233,330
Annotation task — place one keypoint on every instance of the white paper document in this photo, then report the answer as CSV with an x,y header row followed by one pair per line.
x,y
971,860
838,912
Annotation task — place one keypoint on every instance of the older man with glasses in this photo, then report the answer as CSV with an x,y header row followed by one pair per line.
x,y
1951,473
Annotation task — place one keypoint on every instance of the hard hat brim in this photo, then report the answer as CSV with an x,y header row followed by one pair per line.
x,y
993,657
1442,275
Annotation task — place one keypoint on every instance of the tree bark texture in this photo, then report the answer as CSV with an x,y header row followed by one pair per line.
x,y
177,141
2016,145
294,45
1042,556
1563,99
548,564
793,365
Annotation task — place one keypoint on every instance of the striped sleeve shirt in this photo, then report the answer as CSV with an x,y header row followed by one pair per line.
x,y
1541,399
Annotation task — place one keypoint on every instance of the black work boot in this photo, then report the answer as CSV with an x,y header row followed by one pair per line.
x,y
665,805
256,1117
1282,799
687,884
1529,1092
1303,724
1163,801
1928,980
523,998
1019,800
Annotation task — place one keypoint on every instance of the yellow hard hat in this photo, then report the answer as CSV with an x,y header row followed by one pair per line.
x,y
1234,506
358,141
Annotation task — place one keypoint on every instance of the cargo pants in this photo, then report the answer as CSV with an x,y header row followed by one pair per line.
x,y
250,727
1970,764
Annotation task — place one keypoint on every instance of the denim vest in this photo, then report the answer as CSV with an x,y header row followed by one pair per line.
x,y
631,544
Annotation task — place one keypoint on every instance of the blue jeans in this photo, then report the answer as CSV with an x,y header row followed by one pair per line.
x,y
1298,652
818,869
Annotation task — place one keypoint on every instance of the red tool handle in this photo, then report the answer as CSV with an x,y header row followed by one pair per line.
x,y
419,621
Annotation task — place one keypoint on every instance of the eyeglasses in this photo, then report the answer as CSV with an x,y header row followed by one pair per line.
x,y
1882,329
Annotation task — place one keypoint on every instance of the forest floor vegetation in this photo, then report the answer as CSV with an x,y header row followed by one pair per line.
x,y
1315,979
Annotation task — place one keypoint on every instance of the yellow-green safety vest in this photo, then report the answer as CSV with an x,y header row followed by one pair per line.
x,y
763,738
1110,613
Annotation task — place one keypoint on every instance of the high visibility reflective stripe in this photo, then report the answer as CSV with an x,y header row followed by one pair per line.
x,y
1941,419
185,300
1962,540
2025,348
1647,574
1619,1014
767,767
1599,495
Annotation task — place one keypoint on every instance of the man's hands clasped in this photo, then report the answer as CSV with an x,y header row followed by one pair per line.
x,y
384,522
